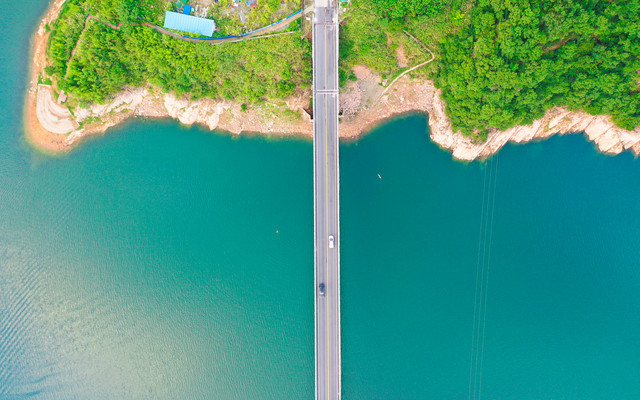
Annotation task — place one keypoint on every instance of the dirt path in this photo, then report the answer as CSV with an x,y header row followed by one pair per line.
x,y
73,52
259,33
433,57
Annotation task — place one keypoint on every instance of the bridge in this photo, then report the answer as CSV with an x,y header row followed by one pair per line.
x,y
326,200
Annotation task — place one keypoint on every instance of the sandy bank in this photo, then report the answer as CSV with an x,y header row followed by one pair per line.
x,y
37,134
52,127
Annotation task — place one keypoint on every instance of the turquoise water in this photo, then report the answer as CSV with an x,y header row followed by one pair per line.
x,y
563,289
165,262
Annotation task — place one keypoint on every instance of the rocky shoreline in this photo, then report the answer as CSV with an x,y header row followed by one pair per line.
x,y
599,129
53,128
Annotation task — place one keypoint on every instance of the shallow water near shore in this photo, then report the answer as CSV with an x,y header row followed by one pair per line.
x,y
167,262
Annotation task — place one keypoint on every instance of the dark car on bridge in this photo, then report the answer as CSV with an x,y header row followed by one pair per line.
x,y
322,289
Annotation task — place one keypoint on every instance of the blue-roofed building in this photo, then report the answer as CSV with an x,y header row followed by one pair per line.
x,y
189,23
187,9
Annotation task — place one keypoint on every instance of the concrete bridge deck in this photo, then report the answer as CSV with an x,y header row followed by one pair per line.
x,y
326,200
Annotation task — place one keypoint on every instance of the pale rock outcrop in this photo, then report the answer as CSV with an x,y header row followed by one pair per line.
x,y
206,112
608,138
413,95
128,99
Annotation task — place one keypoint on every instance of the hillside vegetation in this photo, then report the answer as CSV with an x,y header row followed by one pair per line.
x,y
499,63
106,60
502,63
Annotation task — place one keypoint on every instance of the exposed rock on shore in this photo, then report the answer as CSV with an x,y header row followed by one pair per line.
x,y
422,96
408,96
214,114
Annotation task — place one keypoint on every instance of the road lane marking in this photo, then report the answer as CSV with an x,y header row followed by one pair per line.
x,y
327,251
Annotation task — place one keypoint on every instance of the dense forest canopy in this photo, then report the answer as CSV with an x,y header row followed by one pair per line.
x,y
407,8
499,63
517,59
502,63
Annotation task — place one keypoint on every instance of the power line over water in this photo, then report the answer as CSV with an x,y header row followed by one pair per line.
x,y
483,268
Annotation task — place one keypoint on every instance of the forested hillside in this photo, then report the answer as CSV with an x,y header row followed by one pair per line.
x,y
105,60
499,63
515,60
502,63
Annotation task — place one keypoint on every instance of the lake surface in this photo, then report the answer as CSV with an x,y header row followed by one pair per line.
x,y
167,262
